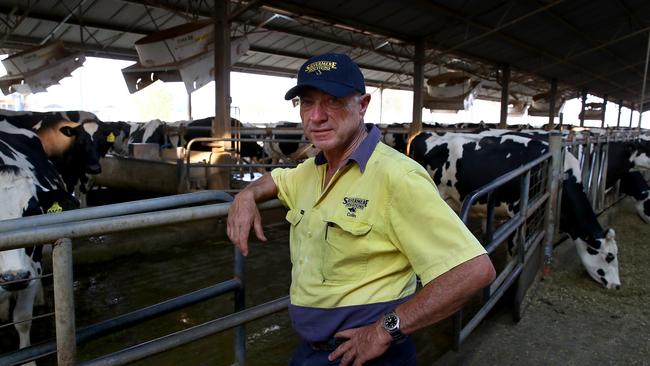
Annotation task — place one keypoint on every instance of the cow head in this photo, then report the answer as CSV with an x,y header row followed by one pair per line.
x,y
18,269
92,140
600,259
640,156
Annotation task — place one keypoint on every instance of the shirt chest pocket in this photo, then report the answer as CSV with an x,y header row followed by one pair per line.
x,y
345,256
294,217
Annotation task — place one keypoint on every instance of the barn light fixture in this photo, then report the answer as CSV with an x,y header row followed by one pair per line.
x,y
183,53
36,69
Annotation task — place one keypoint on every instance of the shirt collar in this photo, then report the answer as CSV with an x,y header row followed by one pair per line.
x,y
362,154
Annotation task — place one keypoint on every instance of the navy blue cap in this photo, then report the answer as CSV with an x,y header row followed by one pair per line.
x,y
333,73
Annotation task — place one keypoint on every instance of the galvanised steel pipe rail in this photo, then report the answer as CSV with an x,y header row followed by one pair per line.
x,y
472,197
496,238
189,335
23,237
153,204
124,321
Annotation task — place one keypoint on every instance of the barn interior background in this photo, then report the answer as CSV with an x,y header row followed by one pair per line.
x,y
434,55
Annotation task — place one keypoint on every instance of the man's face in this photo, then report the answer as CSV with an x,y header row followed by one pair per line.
x,y
331,123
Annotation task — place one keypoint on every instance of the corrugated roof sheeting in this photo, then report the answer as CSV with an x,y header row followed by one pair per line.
x,y
595,44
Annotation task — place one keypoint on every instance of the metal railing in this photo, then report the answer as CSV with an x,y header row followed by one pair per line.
x,y
61,228
238,163
515,227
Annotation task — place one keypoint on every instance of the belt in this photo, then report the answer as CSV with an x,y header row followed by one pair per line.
x,y
328,345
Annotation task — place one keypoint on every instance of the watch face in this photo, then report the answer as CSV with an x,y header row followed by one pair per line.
x,y
390,321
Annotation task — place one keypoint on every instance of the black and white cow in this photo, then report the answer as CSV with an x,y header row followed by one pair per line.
x,y
93,139
152,132
32,120
460,163
32,184
29,185
625,158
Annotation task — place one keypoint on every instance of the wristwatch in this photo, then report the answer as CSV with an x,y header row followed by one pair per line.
x,y
391,324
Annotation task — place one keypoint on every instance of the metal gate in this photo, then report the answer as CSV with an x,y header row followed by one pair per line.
x,y
532,226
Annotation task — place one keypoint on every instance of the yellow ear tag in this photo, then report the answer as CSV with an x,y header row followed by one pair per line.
x,y
55,208
110,137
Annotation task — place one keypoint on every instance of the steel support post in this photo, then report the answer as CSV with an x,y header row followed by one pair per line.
x,y
554,178
645,77
602,117
505,85
64,302
240,305
551,105
618,119
582,108
418,87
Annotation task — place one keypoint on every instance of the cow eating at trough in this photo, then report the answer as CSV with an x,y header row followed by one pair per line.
x,y
461,163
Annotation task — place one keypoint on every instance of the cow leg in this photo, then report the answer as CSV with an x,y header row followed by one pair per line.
x,y
23,311
643,208
634,184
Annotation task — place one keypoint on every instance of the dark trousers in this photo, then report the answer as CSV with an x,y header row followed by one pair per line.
x,y
402,354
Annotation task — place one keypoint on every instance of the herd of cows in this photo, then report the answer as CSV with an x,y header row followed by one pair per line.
x,y
45,155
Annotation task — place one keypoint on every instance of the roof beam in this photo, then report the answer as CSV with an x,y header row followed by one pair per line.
x,y
99,25
554,14
496,29
303,56
519,43
20,42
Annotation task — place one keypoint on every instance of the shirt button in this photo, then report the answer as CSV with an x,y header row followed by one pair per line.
x,y
309,234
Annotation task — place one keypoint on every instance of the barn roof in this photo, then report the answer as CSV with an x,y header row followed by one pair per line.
x,y
598,45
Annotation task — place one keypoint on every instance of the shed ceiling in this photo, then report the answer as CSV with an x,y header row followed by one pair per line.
x,y
594,45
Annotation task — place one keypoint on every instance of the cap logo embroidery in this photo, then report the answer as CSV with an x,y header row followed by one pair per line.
x,y
319,66
353,204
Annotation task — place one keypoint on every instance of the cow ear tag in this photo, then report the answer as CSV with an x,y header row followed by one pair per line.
x,y
55,208
110,137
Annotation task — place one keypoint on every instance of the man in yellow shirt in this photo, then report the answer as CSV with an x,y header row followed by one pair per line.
x,y
365,220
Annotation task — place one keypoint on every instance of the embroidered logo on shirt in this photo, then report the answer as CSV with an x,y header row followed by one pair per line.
x,y
353,204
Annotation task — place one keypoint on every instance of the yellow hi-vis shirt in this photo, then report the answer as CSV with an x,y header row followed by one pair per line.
x,y
362,239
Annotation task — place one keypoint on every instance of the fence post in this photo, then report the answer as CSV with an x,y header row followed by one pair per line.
x,y
602,179
554,178
240,305
64,302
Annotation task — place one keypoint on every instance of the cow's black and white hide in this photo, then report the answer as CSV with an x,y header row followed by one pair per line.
x,y
462,163
32,120
396,139
152,132
29,185
19,272
289,152
625,158
93,139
